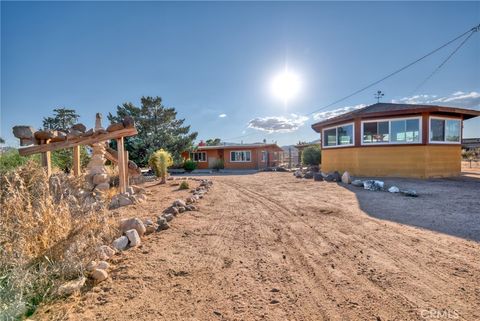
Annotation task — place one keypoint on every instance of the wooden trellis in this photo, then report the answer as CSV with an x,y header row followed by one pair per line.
x,y
46,147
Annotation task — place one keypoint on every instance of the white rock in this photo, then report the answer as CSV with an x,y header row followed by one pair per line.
x,y
105,252
91,266
168,217
133,237
99,275
394,189
71,286
346,179
103,265
132,223
130,190
179,203
121,243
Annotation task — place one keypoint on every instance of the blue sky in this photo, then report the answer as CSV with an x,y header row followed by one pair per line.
x,y
219,58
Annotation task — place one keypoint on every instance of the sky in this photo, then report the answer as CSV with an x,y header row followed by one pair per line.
x,y
215,61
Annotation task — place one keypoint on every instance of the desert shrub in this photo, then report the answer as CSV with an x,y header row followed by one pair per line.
x,y
50,228
11,159
219,164
189,165
184,185
63,158
160,161
311,155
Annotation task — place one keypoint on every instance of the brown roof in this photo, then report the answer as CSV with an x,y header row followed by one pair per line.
x,y
239,146
389,109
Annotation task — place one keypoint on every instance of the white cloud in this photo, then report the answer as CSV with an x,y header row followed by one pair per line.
x,y
457,99
222,115
336,112
278,124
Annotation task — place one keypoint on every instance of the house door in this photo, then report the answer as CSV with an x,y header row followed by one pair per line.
x,y
211,161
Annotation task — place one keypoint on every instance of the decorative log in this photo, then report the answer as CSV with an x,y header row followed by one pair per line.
x,y
121,165
76,161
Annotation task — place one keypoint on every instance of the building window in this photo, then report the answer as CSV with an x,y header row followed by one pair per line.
x,y
444,130
264,156
198,156
339,136
395,131
240,156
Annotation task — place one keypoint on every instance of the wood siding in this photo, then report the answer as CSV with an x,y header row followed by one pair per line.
x,y
423,161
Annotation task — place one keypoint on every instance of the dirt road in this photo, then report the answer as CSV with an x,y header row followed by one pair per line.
x,y
271,247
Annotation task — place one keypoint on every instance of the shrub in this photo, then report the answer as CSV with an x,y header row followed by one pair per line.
x,y
184,185
11,159
219,164
311,155
189,165
160,161
63,158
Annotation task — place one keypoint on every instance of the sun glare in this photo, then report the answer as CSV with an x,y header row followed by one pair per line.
x,y
286,85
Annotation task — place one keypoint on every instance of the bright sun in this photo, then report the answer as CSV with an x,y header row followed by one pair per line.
x,y
286,85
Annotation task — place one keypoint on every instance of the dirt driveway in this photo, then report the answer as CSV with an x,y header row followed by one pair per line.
x,y
272,247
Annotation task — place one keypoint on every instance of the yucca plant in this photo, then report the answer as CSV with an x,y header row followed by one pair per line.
x,y
160,161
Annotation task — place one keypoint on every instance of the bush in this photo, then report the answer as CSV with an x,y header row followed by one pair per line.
x,y
311,155
184,185
63,159
219,164
11,159
160,161
189,165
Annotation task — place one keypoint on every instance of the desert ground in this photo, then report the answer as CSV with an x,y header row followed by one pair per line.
x,y
268,246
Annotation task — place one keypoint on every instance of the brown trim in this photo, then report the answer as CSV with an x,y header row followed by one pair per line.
x,y
425,128
391,145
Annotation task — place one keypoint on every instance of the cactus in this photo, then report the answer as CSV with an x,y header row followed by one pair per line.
x,y
160,161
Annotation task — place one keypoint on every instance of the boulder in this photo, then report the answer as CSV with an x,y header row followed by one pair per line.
x,y
100,178
59,137
373,185
172,210
168,217
182,209
23,132
179,203
132,223
121,243
346,179
79,127
103,265
328,177
128,122
308,175
394,189
133,237
91,266
99,275
120,200
88,133
71,286
318,177
105,252
336,176
103,186
114,127
357,182
298,174
44,134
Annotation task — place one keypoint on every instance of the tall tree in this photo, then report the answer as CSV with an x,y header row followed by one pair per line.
x,y
2,141
62,119
213,142
158,128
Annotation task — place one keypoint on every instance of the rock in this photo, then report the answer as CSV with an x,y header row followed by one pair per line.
x,y
358,183
132,223
99,275
88,133
168,217
318,177
23,132
72,133
130,190
182,209
328,177
100,178
103,186
172,210
103,265
114,127
141,197
128,122
336,177
346,179
105,252
99,131
138,189
308,175
298,174
179,203
121,243
191,207
91,266
79,127
71,286
120,200
162,224
373,185
190,200
44,134
394,189
410,192
151,228
133,237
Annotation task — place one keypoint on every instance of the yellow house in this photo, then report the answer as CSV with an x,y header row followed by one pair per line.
x,y
400,140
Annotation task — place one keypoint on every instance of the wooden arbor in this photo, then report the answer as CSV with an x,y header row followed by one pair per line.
x,y
45,148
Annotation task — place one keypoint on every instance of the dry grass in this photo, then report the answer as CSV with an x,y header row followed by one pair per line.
x,y
49,230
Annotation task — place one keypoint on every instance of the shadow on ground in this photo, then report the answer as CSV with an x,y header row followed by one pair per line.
x,y
449,205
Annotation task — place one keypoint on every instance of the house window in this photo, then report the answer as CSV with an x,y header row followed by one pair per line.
x,y
338,136
264,156
198,156
395,131
444,130
240,156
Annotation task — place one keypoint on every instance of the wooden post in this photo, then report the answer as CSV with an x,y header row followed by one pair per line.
x,y
76,160
127,183
121,165
46,159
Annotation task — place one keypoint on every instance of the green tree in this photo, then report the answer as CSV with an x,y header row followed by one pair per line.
x,y
2,141
158,128
213,142
311,155
62,119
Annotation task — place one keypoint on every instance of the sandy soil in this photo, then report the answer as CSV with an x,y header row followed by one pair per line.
x,y
272,247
